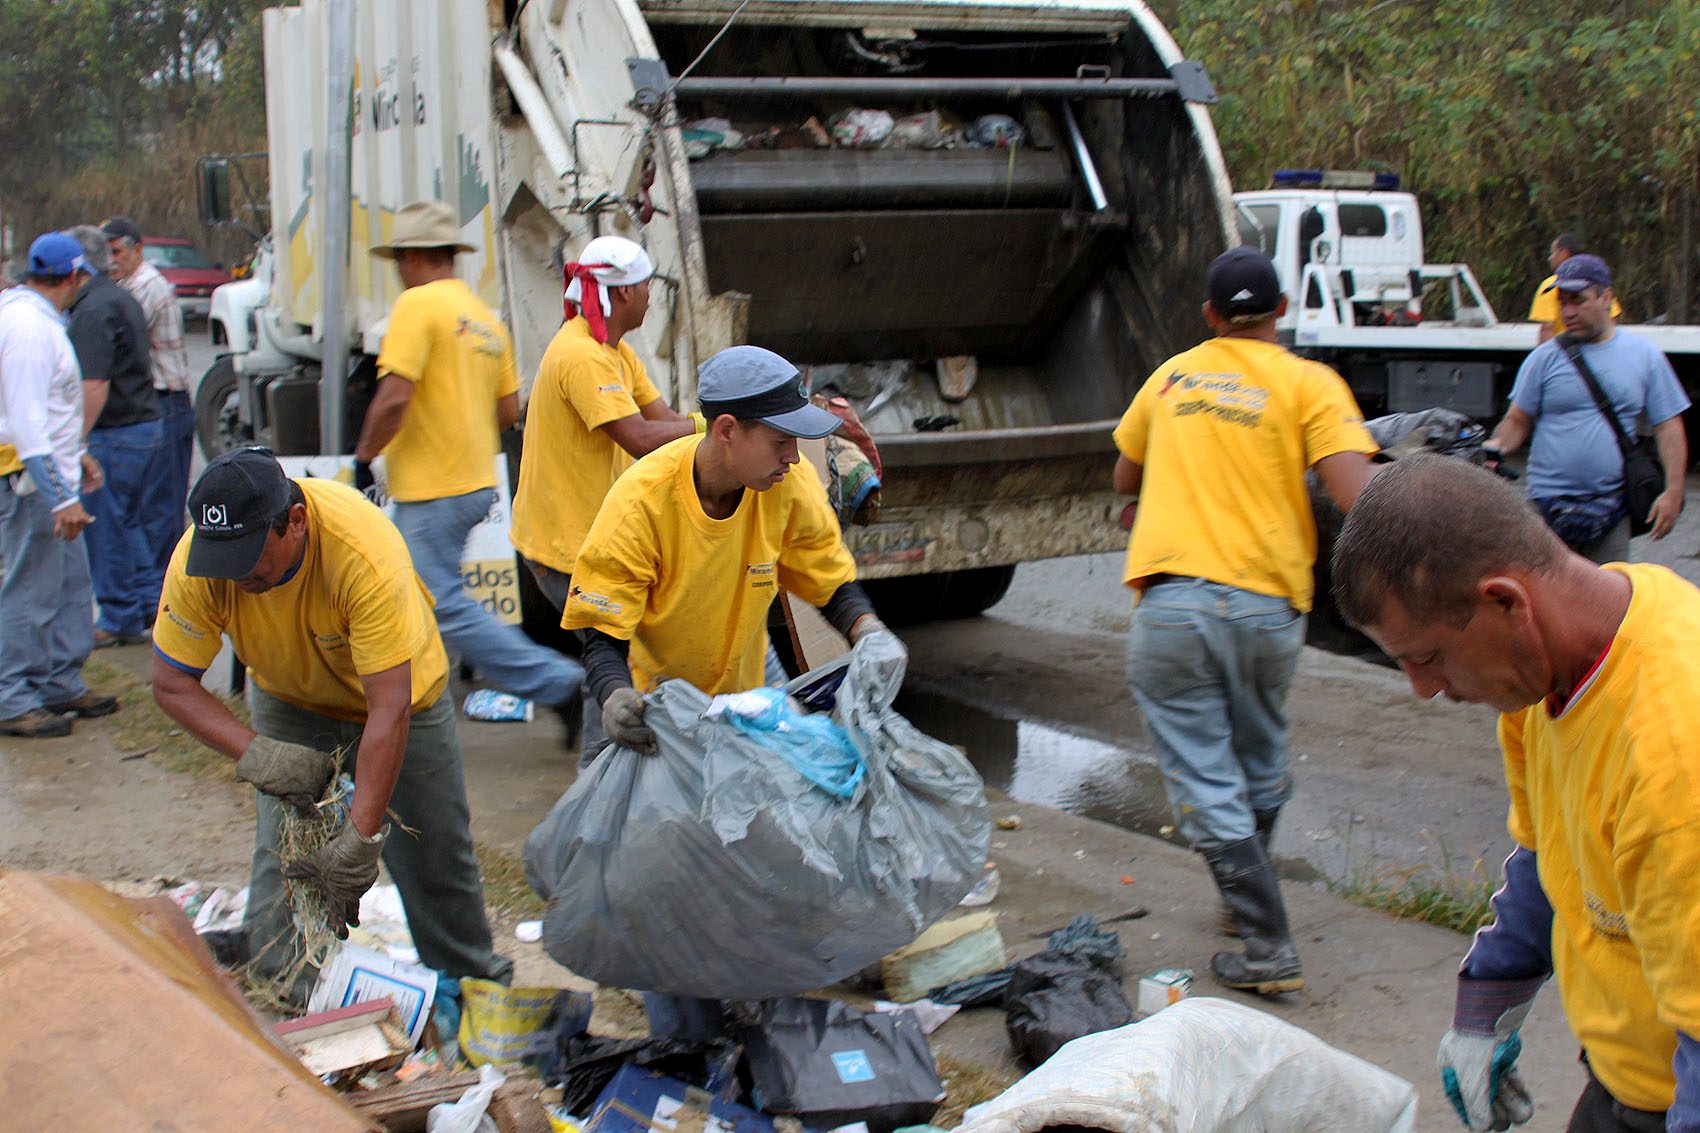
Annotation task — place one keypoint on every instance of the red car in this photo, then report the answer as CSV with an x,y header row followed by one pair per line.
x,y
191,273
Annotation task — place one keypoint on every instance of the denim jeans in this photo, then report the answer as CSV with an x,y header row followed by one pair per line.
x,y
46,617
436,531
165,499
1210,667
435,868
120,559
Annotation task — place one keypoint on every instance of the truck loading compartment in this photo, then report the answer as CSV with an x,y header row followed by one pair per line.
x,y
868,266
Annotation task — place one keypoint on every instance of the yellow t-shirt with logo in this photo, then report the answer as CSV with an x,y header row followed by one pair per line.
x,y
444,340
1607,794
690,592
1545,307
353,606
570,462
1225,432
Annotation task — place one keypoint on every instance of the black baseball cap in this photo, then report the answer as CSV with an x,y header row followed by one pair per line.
x,y
122,226
232,506
1241,284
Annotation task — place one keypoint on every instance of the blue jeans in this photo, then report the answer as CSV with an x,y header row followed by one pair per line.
x,y
435,867
436,531
1210,666
120,559
46,618
165,498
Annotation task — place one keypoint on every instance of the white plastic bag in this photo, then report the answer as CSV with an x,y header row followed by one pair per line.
x,y
1202,1065
467,1115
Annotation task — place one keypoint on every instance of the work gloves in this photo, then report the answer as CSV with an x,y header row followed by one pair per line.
x,y
343,868
1478,1055
622,719
296,774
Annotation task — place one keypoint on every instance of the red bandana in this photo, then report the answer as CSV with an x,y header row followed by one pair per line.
x,y
591,293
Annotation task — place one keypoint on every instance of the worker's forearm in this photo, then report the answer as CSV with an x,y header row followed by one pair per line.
x,y
383,422
94,400
202,714
659,410
1672,439
606,667
382,746
1511,432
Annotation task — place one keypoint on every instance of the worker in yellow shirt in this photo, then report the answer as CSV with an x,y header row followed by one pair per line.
x,y
1593,671
691,547
315,590
447,388
1216,444
593,410
1544,309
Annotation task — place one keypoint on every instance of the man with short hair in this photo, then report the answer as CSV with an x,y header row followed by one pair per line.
x,y
446,391
592,411
690,548
1216,445
121,412
167,486
314,587
1593,671
1575,470
1544,309
46,616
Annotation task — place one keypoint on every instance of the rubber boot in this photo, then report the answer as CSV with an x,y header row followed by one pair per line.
x,y
1265,820
1246,878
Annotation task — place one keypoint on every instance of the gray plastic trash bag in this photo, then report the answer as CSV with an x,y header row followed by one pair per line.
x,y
717,869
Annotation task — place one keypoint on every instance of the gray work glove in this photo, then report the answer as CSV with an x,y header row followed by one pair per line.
x,y
296,774
343,868
622,719
1478,1055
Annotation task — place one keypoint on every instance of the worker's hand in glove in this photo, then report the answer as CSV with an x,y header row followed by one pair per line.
x,y
296,774
622,719
1478,1069
343,869
890,658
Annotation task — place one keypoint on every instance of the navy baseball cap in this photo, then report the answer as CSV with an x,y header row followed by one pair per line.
x,y
1241,284
55,253
1581,271
232,506
753,384
122,227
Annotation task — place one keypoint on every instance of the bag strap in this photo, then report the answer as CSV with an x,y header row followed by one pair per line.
x,y
1574,353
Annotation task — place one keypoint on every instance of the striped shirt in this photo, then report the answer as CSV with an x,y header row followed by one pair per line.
x,y
158,298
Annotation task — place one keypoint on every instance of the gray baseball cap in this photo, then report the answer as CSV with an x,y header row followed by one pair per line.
x,y
753,384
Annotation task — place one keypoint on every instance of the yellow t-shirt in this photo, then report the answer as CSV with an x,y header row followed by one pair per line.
x,y
569,461
444,340
9,462
353,606
1225,432
691,593
1545,307
1607,794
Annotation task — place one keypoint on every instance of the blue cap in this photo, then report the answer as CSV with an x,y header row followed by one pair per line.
x,y
1581,271
1241,284
55,253
753,384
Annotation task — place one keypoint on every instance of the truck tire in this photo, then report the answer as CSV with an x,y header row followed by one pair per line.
x,y
217,425
939,597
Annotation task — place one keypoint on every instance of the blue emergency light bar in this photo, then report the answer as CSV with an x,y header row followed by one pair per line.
x,y
1333,179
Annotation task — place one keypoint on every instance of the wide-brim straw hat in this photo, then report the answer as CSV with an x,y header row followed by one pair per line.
x,y
424,224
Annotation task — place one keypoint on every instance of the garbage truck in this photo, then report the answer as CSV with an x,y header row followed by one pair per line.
x,y
983,222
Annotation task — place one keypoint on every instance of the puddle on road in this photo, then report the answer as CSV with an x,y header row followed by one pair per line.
x,y
1038,763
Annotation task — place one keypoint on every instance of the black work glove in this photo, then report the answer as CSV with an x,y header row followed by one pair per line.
x,y
622,719
363,478
343,868
292,772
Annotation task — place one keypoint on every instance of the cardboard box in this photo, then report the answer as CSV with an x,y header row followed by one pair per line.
x,y
358,975
1159,989
641,1101
117,1018
349,1040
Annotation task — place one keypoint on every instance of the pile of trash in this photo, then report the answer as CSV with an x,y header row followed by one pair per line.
x,y
861,127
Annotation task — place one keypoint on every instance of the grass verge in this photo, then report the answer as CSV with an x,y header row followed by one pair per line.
x,y
139,724
1440,896
506,891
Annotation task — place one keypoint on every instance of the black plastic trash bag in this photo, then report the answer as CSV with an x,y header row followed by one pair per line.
x,y
718,869
832,1065
1056,998
585,1064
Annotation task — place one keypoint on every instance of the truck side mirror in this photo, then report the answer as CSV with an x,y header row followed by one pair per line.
x,y
213,190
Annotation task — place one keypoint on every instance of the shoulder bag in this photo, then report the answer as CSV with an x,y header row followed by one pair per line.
x,y
1643,475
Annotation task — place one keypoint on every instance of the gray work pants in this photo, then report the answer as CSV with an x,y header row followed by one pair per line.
x,y
435,869
46,610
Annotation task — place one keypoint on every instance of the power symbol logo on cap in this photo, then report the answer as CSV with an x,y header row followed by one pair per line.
x,y
212,515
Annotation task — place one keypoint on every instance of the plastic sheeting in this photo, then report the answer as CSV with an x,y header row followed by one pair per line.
x,y
717,869
1202,1066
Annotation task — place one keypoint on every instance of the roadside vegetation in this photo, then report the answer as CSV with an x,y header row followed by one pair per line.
x,y
140,730
1438,896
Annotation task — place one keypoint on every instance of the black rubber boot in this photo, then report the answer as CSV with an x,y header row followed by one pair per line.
x,y
1246,879
1265,820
